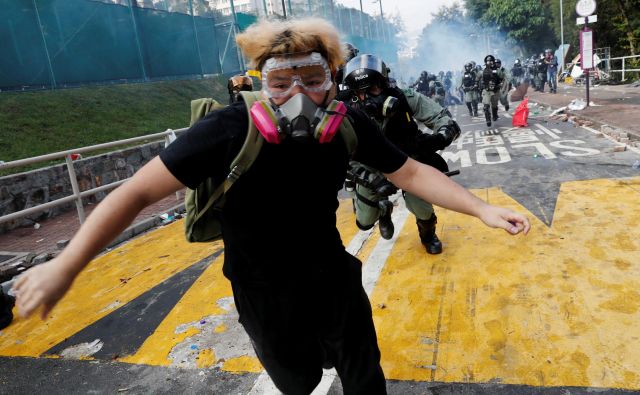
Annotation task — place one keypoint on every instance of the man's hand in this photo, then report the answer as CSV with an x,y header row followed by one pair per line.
x,y
500,217
42,285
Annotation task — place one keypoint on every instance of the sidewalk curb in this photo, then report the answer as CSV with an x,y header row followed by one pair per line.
x,y
596,122
143,226
129,233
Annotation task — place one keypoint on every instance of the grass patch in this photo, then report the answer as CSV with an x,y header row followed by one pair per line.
x,y
42,122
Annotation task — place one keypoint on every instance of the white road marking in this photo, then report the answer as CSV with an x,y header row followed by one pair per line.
x,y
547,131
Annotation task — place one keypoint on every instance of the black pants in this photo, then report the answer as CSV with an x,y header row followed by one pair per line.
x,y
296,329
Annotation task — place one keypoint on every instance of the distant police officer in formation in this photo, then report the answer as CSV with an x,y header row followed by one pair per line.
x,y
395,111
422,83
541,73
517,73
491,85
469,87
436,89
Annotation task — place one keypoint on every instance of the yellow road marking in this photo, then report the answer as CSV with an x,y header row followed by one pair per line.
x,y
109,281
556,308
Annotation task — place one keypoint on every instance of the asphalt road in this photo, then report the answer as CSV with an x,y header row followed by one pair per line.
x,y
551,313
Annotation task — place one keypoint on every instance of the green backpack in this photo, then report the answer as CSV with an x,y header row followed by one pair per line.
x,y
202,205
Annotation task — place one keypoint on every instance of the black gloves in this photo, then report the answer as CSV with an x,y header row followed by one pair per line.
x,y
439,140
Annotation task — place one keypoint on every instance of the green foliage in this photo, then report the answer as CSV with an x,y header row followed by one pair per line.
x,y
525,22
41,122
528,23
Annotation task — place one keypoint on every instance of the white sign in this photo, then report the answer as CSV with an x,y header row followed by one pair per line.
x,y
587,19
585,7
586,49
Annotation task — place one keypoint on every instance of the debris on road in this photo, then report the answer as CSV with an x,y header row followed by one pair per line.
x,y
577,105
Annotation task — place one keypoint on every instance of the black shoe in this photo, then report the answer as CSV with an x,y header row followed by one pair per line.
x,y
434,246
475,113
495,113
384,222
428,237
506,107
6,305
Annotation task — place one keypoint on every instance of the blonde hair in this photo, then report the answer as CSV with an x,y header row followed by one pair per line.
x,y
266,39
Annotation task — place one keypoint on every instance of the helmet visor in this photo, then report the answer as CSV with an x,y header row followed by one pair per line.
x,y
281,75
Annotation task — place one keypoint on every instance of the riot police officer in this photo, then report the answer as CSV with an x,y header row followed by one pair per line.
x,y
517,73
436,90
395,111
469,86
541,73
491,84
422,84
352,52
237,84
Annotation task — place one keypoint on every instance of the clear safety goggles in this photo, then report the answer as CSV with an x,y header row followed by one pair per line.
x,y
281,75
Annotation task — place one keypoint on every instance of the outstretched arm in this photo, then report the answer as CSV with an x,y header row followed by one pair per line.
x,y
47,283
431,185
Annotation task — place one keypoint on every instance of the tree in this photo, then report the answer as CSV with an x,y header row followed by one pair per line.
x,y
526,22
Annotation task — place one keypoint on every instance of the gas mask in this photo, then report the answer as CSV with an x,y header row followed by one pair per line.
x,y
379,106
298,118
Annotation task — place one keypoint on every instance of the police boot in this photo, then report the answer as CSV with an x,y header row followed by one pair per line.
x,y
384,221
475,108
428,237
487,115
470,109
494,110
6,305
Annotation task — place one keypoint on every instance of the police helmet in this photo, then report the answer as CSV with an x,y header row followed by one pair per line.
x,y
473,63
516,62
468,67
239,83
364,71
489,58
498,62
546,51
352,51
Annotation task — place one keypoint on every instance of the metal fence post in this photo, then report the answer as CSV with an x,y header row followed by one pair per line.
x,y
139,46
623,79
46,49
75,188
195,32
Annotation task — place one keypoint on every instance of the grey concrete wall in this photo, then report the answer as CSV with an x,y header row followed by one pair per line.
x,y
24,190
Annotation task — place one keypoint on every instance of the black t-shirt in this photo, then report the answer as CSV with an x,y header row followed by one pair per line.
x,y
279,218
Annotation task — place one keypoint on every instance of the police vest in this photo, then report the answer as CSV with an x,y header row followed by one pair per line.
x,y
491,79
468,80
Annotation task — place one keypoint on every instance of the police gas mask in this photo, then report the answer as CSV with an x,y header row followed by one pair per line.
x,y
377,106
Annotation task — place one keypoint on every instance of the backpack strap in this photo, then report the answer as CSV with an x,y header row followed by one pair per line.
x,y
244,159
